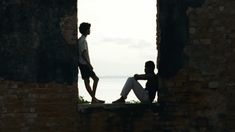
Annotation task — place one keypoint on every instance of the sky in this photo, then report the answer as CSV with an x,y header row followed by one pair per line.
x,y
123,34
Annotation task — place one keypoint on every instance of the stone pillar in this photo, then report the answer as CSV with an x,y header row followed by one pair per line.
x,y
36,40
38,68
198,96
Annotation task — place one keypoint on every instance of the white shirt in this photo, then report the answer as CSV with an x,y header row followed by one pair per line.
x,y
82,46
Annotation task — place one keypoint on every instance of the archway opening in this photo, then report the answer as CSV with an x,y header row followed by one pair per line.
x,y
123,37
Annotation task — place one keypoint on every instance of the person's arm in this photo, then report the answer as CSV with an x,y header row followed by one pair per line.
x,y
143,76
84,54
140,77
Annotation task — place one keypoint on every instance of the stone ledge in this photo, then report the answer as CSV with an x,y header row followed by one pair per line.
x,y
118,117
87,108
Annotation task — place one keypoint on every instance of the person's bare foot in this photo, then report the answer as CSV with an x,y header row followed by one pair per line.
x,y
121,100
96,101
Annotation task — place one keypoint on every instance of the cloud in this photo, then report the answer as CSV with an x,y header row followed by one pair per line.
x,y
119,41
128,42
140,44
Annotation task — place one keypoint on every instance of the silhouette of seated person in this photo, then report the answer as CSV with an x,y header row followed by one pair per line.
x,y
145,95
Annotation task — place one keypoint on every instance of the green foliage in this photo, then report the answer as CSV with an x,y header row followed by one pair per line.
x,y
81,100
136,102
132,102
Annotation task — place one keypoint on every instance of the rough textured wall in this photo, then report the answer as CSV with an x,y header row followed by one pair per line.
x,y
119,118
36,65
35,42
196,92
173,34
200,94
30,107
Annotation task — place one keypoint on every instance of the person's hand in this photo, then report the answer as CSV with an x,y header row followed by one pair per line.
x,y
90,66
136,76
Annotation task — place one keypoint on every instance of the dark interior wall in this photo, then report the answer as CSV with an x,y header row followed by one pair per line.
x,y
37,51
173,34
198,94
33,47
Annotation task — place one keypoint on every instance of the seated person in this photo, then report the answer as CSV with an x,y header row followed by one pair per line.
x,y
145,95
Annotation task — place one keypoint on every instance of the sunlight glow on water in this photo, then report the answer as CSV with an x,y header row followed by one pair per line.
x,y
108,89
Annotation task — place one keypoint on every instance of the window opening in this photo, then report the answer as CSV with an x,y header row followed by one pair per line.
x,y
122,38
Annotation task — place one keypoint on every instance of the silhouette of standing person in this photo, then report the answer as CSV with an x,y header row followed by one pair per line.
x,y
85,64
145,95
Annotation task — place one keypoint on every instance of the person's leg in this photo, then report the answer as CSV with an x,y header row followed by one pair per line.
x,y
95,83
91,92
85,76
141,94
130,84
92,74
139,91
86,72
88,87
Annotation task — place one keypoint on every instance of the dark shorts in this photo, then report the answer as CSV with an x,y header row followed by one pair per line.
x,y
86,71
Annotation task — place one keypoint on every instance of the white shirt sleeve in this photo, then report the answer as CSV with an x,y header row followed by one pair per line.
x,y
82,46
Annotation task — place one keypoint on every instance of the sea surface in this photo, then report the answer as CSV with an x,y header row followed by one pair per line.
x,y
109,88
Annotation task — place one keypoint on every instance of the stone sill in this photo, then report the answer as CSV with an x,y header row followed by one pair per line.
x,y
87,108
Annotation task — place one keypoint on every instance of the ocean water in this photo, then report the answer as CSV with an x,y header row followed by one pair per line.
x,y
109,89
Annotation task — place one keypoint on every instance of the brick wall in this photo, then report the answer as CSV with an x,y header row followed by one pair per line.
x,y
38,86
38,71
37,40
119,118
196,65
200,94
30,107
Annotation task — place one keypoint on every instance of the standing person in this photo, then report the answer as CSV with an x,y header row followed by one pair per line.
x,y
145,95
85,64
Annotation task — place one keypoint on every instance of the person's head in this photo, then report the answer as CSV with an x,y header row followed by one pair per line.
x,y
84,28
149,67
